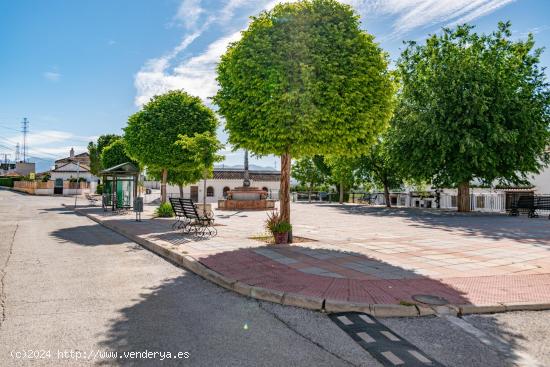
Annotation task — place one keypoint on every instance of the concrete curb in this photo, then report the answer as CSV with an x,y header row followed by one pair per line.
x,y
312,303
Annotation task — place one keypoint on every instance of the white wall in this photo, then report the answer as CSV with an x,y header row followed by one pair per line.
x,y
542,182
218,185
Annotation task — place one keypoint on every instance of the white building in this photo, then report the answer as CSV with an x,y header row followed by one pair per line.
x,y
223,180
71,168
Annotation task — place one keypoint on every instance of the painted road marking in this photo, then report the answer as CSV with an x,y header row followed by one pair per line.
x,y
390,336
420,357
395,360
366,337
367,319
345,320
518,357
382,343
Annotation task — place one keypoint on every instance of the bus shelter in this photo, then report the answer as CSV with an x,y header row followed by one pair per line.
x,y
120,186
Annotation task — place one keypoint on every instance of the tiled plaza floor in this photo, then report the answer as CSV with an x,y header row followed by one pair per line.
x,y
377,255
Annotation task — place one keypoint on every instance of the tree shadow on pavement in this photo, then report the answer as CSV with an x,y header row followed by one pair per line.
x,y
215,326
488,225
88,235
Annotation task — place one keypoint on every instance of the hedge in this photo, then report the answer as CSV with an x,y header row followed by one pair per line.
x,y
8,181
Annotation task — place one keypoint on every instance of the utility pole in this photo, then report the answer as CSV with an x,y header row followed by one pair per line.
x,y
77,182
25,130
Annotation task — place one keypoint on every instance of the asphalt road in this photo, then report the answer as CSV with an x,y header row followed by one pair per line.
x,y
73,293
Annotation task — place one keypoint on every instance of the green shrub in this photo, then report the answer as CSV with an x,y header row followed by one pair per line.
x,y
99,189
275,224
164,210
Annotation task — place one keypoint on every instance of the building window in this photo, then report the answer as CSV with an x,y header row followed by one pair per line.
x,y
225,191
210,191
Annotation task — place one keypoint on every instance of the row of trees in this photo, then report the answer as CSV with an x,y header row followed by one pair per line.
x,y
173,136
305,81
374,170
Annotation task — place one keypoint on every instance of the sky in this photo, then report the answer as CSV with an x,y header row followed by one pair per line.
x,y
78,69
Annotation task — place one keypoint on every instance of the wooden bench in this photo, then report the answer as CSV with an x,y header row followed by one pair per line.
x,y
177,208
189,220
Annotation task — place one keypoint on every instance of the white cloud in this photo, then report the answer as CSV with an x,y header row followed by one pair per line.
x,y
413,14
196,74
51,76
49,144
189,13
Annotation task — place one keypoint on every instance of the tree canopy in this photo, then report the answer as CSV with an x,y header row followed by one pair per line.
x,y
115,154
307,173
152,133
95,150
471,107
380,167
304,79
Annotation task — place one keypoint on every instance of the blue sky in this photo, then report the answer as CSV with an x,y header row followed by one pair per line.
x,y
78,69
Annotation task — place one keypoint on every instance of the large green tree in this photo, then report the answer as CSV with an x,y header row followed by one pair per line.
x,y
152,133
304,79
379,167
308,174
115,154
472,107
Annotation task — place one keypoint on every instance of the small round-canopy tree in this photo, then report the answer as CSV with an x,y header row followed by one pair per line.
x,y
152,133
379,167
115,154
307,173
471,107
304,79
201,152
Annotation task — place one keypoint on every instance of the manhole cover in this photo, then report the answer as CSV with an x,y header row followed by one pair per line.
x,y
430,300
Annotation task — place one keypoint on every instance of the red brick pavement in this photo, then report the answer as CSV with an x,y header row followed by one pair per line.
x,y
254,269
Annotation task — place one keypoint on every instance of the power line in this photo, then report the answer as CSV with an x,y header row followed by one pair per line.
x,y
18,154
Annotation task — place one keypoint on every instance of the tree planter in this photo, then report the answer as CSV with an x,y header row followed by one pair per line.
x,y
281,238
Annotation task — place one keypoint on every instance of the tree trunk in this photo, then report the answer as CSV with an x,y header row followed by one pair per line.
x,y
204,191
163,185
387,196
181,190
341,200
284,189
463,197
309,194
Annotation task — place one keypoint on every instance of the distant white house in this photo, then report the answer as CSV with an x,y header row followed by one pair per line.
x,y
71,168
223,180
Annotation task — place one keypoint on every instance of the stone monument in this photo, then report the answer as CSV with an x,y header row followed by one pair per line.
x,y
246,197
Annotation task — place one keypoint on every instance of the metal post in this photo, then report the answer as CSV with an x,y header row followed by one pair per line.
x,y
77,182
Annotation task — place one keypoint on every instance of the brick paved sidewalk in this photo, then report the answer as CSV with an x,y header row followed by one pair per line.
x,y
491,268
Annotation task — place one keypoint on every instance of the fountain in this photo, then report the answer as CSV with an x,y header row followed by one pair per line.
x,y
246,197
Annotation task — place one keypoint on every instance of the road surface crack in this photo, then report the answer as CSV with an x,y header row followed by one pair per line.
x,y
3,273
295,331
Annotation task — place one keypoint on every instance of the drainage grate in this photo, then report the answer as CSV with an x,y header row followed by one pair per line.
x,y
430,300
382,343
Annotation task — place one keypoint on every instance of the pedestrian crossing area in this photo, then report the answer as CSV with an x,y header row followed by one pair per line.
x,y
382,343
